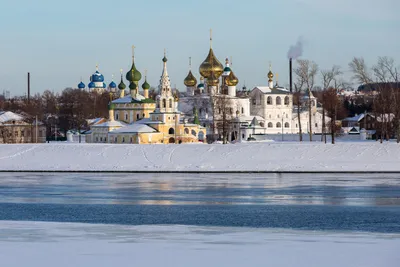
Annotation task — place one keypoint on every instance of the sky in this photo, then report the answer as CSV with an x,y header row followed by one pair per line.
x,y
60,42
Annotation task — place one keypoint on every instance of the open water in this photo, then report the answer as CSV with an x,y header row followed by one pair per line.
x,y
337,202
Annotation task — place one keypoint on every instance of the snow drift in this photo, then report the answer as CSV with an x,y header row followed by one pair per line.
x,y
262,157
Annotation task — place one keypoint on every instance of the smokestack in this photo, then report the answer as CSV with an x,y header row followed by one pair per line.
x,y
29,87
290,75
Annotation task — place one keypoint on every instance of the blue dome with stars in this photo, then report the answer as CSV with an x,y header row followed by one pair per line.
x,y
97,77
113,85
81,85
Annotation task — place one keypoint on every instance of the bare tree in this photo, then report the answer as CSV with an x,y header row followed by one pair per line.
x,y
328,77
306,72
223,113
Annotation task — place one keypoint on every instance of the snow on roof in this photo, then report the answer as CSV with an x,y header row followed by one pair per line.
x,y
94,121
110,124
135,128
355,118
128,99
244,118
6,116
275,90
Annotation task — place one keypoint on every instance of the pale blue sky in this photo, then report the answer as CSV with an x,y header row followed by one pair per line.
x,y
60,41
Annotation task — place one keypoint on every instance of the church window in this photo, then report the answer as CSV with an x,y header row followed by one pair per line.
x,y
105,139
270,125
194,133
137,116
186,131
143,115
277,116
278,100
278,125
170,103
316,125
131,140
242,110
171,131
286,125
101,139
269,100
164,103
243,136
123,139
254,101
262,124
116,116
126,116
286,100
116,140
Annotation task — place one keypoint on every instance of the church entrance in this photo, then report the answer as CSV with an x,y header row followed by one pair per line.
x,y
172,140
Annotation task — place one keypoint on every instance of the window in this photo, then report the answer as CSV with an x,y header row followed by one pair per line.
x,y
270,125
269,116
164,103
143,115
269,100
254,101
126,116
243,136
123,139
194,133
278,100
242,110
296,125
170,103
206,110
131,140
219,110
171,131
116,116
186,131
286,100
286,125
101,139
287,116
22,133
105,139
316,125
278,125
116,140
137,116
97,139
231,111
16,133
277,116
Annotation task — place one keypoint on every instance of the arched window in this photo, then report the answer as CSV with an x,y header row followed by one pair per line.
x,y
270,125
278,100
186,131
278,125
123,139
254,101
286,125
201,136
116,116
269,100
171,131
286,100
170,103
262,124
194,133
143,115
164,103
242,110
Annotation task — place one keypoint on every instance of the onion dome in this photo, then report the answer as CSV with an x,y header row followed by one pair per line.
x,y
81,85
112,85
104,85
111,106
201,84
232,80
270,75
97,77
244,88
146,85
212,80
211,65
133,75
132,86
190,80
176,97
164,59
227,69
121,86
91,85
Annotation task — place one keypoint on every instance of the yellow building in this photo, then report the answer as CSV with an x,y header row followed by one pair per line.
x,y
14,129
136,119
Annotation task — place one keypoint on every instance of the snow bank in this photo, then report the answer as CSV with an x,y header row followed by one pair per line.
x,y
269,157
64,244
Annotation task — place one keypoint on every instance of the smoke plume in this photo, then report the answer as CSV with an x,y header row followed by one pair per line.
x,y
296,50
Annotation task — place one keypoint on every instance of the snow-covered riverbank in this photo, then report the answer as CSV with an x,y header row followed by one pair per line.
x,y
269,157
66,244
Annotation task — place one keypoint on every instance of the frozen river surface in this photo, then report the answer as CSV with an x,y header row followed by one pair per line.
x,y
199,220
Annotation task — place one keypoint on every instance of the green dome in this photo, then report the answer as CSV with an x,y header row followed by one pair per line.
x,y
121,86
133,75
146,85
164,59
132,86
111,106
227,69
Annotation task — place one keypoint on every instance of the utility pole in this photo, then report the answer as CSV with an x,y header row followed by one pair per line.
x,y
36,129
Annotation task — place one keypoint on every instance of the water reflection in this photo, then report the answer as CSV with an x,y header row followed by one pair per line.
x,y
197,189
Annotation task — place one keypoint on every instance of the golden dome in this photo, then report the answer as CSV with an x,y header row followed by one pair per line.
x,y
212,80
232,80
211,64
270,75
190,80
